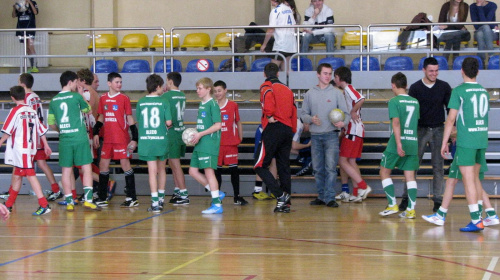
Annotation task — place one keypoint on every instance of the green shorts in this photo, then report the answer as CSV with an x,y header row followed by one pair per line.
x,y
176,148
204,160
74,154
408,163
456,174
153,158
469,157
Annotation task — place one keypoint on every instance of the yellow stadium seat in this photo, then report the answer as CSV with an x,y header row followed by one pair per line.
x,y
137,40
105,41
351,38
222,40
196,40
158,42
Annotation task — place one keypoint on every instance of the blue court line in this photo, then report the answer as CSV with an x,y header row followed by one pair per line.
x,y
83,238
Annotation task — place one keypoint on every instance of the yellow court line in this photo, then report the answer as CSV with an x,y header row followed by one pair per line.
x,y
185,264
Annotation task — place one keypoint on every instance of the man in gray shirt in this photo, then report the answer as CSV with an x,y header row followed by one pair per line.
x,y
318,103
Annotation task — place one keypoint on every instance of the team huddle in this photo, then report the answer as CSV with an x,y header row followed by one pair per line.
x,y
93,131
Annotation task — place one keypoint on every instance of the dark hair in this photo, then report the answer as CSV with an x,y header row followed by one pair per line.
x,y
113,75
220,83
86,75
271,70
323,65
344,74
399,80
175,77
470,66
153,82
430,61
67,77
17,92
27,79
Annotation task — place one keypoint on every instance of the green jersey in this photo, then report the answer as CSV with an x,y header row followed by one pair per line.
x,y
177,101
208,114
65,111
472,102
152,112
407,109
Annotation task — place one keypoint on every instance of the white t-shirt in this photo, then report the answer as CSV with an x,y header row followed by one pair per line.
x,y
284,39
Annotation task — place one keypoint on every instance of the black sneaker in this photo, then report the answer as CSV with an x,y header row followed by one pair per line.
x,y
317,201
160,204
182,201
154,209
332,203
129,202
238,200
101,203
174,198
437,204
282,204
404,204
54,195
306,170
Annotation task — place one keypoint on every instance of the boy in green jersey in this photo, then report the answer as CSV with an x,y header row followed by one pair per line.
x,y
469,106
207,141
65,116
177,149
402,149
153,117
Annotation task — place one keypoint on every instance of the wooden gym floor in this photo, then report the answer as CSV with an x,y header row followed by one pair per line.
x,y
249,242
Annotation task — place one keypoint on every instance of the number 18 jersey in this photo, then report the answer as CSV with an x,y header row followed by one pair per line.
x,y
472,102
152,112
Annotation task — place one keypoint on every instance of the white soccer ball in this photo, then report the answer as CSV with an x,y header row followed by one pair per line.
x,y
336,115
187,136
21,6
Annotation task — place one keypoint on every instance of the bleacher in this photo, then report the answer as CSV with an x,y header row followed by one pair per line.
x,y
135,57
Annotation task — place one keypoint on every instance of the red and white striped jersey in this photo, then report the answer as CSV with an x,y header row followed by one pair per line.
x,y
89,123
33,100
229,131
352,97
24,128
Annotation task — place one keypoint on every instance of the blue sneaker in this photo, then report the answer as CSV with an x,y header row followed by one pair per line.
x,y
42,211
222,195
213,210
434,219
64,203
471,227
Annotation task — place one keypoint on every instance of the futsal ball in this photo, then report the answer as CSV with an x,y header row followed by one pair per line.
x,y
336,115
21,6
187,136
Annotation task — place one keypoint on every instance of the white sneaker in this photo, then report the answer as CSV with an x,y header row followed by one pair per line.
x,y
491,221
364,193
354,198
343,196
434,219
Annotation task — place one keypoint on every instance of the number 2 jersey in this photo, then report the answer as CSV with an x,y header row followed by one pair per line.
x,y
114,110
229,131
152,112
472,102
65,111
24,128
407,109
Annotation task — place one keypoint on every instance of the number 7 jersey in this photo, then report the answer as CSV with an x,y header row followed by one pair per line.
x,y
472,102
407,109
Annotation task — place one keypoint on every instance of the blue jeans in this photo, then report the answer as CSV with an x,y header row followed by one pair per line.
x,y
484,38
327,38
325,155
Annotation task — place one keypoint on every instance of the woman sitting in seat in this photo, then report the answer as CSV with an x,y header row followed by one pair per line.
x,y
453,11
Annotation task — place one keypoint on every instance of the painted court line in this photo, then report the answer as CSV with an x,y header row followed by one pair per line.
x,y
185,264
82,239
492,265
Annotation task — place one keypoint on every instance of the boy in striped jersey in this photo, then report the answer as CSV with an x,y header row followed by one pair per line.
x,y
22,130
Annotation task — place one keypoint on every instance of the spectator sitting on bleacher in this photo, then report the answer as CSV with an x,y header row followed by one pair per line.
x,y
453,11
480,11
318,14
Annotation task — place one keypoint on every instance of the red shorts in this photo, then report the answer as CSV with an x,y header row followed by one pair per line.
x,y
228,155
351,148
114,151
40,155
95,169
23,172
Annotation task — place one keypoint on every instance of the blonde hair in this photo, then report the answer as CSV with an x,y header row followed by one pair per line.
x,y
206,83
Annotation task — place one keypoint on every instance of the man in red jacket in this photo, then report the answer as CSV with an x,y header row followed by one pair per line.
x,y
279,121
